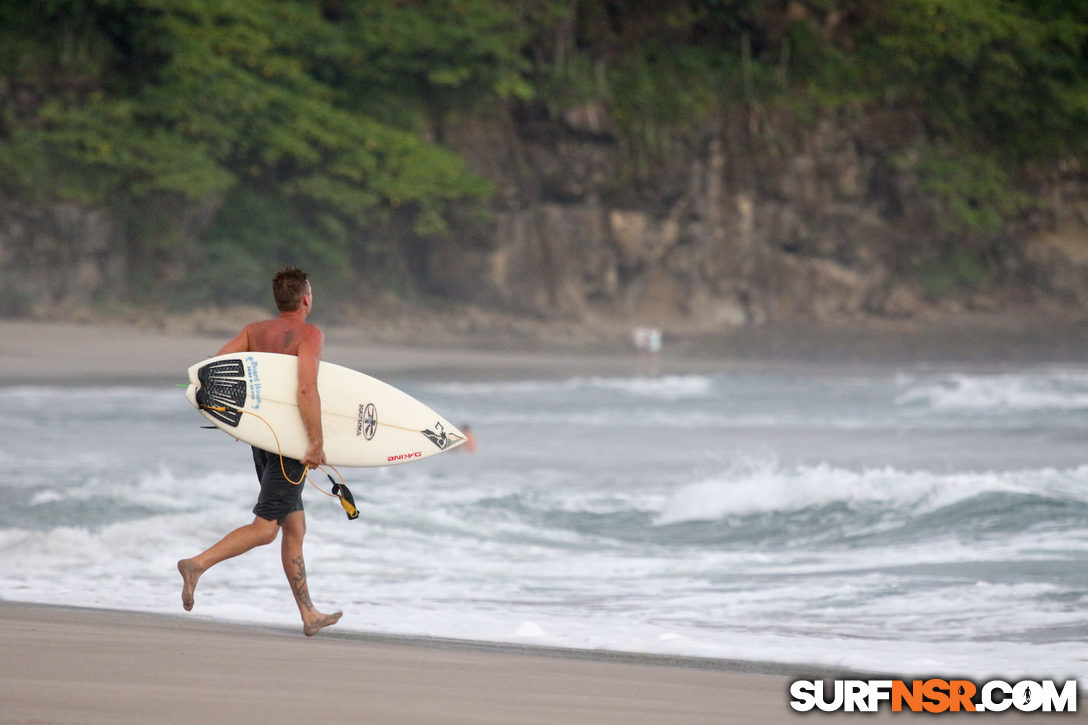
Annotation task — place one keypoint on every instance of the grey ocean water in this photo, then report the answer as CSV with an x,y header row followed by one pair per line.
x,y
921,521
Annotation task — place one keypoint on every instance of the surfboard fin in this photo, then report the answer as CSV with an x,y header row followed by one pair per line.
x,y
346,499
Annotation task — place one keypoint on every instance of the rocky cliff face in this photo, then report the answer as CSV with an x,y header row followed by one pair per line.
x,y
758,219
59,257
56,255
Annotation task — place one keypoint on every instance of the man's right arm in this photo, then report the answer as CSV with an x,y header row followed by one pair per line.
x,y
309,400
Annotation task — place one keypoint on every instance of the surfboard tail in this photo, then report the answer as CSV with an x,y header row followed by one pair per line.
x,y
221,390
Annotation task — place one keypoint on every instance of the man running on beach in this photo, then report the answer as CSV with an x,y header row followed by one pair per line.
x,y
280,502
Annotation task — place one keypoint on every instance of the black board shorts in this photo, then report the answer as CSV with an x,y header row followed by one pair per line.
x,y
279,497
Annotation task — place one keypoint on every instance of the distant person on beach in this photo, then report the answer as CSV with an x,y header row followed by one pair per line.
x,y
279,505
470,441
647,340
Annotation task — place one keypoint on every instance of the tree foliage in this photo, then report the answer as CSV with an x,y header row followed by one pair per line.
x,y
202,96
1000,75
135,99
326,115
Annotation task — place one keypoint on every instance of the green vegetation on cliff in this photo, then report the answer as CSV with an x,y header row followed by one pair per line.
x,y
268,130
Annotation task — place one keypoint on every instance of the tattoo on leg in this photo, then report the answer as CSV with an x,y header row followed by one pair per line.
x,y
298,584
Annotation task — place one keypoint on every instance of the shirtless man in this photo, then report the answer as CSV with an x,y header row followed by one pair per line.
x,y
279,505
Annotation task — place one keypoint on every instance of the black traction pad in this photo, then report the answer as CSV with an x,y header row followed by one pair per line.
x,y
222,391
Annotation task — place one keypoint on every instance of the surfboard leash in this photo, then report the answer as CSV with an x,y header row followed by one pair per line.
x,y
339,490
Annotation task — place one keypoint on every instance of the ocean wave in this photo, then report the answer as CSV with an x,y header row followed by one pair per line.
x,y
828,502
618,516
44,396
750,502
101,497
1063,390
666,387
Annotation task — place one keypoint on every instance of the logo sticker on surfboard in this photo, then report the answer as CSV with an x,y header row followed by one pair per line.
x,y
367,423
438,436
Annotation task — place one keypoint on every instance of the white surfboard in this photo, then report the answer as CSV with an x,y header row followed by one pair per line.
x,y
252,396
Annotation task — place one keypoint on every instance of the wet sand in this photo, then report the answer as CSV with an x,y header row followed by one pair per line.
x,y
69,353
64,352
68,665
62,665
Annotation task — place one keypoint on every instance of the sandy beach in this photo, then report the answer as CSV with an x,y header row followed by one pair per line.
x,y
65,353
118,353
66,665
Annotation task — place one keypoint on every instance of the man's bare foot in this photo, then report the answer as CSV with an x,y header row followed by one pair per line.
x,y
319,622
190,572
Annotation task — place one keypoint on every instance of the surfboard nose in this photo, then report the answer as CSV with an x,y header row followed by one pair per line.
x,y
444,435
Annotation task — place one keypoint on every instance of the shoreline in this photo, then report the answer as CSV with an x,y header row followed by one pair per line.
x,y
46,611
72,353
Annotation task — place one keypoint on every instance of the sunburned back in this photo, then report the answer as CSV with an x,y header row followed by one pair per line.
x,y
277,335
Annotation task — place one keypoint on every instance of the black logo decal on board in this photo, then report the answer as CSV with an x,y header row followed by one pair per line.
x,y
366,424
438,436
